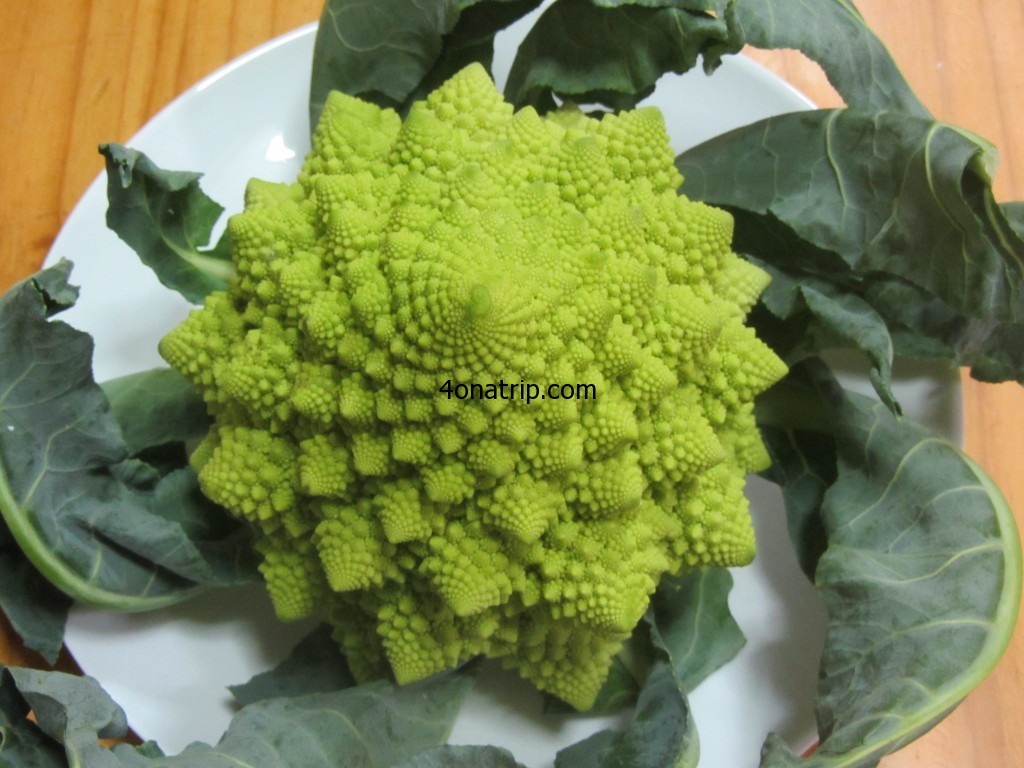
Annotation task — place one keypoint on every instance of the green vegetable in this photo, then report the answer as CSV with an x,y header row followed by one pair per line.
x,y
691,624
36,610
475,245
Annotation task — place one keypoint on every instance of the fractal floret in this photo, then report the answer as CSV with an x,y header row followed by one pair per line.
x,y
471,244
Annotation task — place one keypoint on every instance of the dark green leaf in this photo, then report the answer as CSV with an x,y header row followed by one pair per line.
x,y
450,756
36,609
73,711
167,220
886,192
918,324
56,292
315,665
925,327
690,621
853,321
661,734
48,694
156,407
378,724
595,750
1014,213
823,315
718,7
391,52
377,51
921,581
835,35
106,529
892,209
22,743
470,41
613,55
804,467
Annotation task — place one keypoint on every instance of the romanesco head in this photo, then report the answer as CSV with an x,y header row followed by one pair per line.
x,y
474,245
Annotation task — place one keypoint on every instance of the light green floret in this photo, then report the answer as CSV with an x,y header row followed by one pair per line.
x,y
474,245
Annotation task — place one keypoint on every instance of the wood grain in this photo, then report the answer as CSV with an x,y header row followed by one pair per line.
x,y
76,74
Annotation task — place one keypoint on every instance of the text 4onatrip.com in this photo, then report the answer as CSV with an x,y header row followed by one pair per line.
x,y
526,391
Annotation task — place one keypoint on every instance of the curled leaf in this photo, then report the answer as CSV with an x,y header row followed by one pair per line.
x,y
167,220
613,53
834,34
921,580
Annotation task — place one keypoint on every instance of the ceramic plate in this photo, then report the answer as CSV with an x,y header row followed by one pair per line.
x,y
169,669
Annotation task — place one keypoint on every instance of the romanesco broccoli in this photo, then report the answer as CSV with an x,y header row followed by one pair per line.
x,y
471,243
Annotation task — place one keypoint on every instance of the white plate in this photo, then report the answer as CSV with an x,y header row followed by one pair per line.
x,y
169,669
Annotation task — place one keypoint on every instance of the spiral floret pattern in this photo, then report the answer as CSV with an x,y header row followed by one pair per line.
x,y
469,244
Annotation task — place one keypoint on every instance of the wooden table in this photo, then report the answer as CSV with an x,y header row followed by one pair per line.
x,y
76,74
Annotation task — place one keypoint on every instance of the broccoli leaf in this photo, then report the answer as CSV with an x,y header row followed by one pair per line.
x,y
924,327
102,525
894,319
662,732
167,220
835,35
378,724
458,756
315,665
803,466
36,610
377,51
471,40
94,715
1014,213
612,53
817,316
921,581
22,743
392,52
894,209
374,724
691,623
155,408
